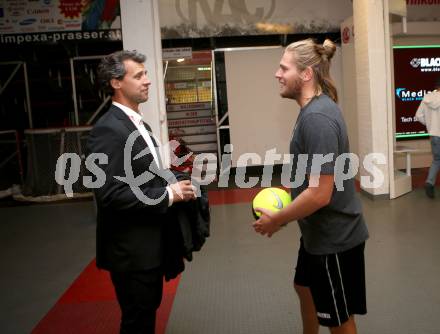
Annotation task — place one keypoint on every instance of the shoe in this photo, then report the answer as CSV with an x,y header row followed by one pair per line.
x,y
429,190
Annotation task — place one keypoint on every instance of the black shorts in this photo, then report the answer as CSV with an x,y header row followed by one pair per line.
x,y
336,281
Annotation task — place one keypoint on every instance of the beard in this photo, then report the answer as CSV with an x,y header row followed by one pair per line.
x,y
293,90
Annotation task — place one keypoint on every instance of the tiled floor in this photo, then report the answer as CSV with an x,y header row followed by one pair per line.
x,y
240,282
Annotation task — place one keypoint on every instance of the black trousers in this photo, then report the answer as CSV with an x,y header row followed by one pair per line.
x,y
139,295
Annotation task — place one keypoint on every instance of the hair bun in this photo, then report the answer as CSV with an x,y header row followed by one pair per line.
x,y
329,48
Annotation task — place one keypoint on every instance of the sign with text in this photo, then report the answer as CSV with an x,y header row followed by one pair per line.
x,y
45,20
176,53
416,69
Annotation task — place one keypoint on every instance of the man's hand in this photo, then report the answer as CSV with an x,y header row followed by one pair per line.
x,y
266,224
182,191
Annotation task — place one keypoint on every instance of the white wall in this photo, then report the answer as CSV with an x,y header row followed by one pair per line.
x,y
372,88
259,118
141,31
348,99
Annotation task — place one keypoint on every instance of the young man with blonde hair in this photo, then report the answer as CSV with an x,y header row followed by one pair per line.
x,y
330,271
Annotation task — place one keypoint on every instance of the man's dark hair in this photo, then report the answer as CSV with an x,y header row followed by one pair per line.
x,y
112,67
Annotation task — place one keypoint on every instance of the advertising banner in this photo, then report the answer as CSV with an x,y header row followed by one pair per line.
x,y
416,69
34,21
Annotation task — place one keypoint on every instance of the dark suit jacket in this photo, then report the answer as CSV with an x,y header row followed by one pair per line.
x,y
129,232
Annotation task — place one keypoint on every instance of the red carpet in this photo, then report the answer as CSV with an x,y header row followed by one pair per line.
x,y
232,196
89,306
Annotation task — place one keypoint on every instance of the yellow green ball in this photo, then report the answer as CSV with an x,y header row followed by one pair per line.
x,y
273,199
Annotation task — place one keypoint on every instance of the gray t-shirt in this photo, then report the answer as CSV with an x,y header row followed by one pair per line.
x,y
320,130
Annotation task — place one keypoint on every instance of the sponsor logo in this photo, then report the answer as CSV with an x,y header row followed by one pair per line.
x,y
426,64
27,22
70,8
323,315
279,204
415,62
47,20
38,11
408,95
57,36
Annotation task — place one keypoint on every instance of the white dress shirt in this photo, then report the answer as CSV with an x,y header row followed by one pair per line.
x,y
136,118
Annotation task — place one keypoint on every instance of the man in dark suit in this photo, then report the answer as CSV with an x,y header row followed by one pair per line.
x,y
133,202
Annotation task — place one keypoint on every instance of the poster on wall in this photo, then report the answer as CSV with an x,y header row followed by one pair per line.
x,y
416,69
34,21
